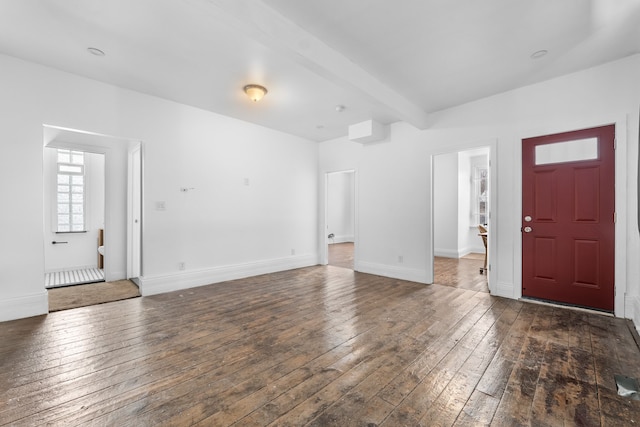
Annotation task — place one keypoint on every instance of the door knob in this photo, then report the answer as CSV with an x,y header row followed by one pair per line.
x,y
528,229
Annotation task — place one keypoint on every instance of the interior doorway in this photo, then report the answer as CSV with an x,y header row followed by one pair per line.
x,y
74,207
461,218
113,244
340,219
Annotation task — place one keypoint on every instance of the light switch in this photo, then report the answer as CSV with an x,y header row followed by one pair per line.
x,y
160,206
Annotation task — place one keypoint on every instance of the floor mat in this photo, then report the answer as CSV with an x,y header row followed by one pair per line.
x,y
91,294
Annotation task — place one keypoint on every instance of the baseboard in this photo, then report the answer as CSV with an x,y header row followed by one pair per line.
x,y
151,285
24,306
446,253
504,290
342,239
402,273
632,310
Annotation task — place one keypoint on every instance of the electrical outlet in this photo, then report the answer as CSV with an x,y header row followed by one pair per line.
x,y
400,259
181,265
293,251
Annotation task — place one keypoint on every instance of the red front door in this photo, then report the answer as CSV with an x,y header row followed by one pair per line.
x,y
568,217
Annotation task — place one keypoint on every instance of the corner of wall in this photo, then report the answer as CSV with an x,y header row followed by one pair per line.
x,y
402,273
24,306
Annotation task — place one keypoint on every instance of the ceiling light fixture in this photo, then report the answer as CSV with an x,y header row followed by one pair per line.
x,y
539,54
95,51
255,92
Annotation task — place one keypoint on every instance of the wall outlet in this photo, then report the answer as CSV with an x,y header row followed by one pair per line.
x,y
400,259
181,265
293,251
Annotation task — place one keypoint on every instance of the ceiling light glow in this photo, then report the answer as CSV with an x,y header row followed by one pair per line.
x,y
255,92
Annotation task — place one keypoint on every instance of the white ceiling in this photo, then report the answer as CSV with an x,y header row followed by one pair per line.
x,y
381,59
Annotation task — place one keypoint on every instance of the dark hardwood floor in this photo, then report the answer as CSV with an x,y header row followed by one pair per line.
x,y
317,346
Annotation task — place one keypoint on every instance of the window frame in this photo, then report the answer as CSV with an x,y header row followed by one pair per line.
x,y
58,172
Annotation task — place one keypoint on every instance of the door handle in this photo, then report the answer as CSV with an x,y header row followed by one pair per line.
x,y
528,229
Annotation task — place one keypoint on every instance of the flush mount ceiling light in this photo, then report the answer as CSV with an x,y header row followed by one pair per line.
x,y
95,51
539,54
255,92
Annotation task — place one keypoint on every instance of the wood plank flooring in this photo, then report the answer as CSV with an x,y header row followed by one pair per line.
x,y
317,346
460,273
341,255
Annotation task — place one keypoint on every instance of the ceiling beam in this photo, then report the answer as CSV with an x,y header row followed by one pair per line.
x,y
265,25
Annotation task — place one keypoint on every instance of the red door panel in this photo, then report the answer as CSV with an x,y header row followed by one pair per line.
x,y
568,226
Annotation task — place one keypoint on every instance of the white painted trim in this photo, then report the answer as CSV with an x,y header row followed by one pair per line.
x,y
446,253
493,204
635,311
402,273
632,306
504,289
151,285
323,239
24,306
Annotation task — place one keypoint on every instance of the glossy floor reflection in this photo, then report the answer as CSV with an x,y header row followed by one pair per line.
x,y
317,346
461,272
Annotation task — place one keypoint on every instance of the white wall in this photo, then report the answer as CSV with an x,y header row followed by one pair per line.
x,y
340,206
81,249
445,205
394,210
221,229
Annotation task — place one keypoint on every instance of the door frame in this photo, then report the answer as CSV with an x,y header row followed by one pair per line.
x,y
621,168
101,144
492,258
324,240
131,214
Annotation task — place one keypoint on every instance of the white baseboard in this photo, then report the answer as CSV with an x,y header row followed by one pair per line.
x,y
446,253
402,273
632,309
24,306
504,289
452,253
151,285
342,239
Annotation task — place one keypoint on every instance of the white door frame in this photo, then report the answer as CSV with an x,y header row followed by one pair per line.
x,y
101,144
324,240
134,211
493,204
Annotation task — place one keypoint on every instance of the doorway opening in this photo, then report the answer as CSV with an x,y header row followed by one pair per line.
x,y
74,206
461,205
340,219
93,207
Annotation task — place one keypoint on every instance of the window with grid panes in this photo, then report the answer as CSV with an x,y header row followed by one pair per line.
x,y
70,191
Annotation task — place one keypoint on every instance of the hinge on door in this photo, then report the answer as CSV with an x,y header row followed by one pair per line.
x,y
615,143
615,217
